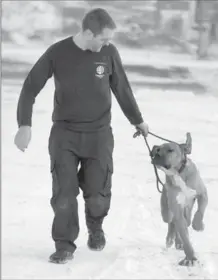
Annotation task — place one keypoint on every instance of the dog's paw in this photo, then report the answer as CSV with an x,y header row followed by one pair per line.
x,y
188,262
197,223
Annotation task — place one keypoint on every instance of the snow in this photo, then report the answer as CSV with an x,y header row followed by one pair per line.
x,y
134,229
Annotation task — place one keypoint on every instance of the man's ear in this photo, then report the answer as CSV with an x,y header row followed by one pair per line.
x,y
154,150
187,147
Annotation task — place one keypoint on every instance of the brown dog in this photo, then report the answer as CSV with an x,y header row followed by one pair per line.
x,y
182,187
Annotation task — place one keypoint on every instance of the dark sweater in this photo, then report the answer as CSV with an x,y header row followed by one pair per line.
x,y
83,80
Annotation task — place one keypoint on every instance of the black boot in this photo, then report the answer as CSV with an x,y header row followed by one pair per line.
x,y
96,240
61,257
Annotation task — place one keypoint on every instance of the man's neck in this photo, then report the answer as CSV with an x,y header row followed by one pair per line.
x,y
79,41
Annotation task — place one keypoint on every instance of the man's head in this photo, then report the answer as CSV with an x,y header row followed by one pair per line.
x,y
98,29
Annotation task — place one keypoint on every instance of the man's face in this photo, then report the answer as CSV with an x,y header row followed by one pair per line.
x,y
95,43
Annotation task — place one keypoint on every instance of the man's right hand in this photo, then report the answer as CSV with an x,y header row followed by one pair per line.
x,y
23,137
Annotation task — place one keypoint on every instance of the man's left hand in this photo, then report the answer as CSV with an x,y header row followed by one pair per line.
x,y
142,128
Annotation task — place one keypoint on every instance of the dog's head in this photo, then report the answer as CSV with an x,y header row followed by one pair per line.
x,y
171,155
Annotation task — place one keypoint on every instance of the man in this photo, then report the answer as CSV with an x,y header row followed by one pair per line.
x,y
84,67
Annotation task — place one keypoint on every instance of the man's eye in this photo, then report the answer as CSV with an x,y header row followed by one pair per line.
x,y
170,151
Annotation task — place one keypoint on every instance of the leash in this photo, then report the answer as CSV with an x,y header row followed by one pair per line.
x,y
159,137
158,180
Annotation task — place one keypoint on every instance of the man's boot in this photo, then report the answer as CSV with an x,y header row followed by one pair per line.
x,y
96,240
61,257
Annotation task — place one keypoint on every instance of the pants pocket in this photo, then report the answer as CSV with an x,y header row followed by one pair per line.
x,y
108,180
55,186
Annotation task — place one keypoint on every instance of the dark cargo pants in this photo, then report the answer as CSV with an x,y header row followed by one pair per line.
x,y
92,151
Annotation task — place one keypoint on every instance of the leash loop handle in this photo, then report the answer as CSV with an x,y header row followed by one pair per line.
x,y
158,180
138,133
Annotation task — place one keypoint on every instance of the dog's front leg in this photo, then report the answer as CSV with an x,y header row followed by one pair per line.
x,y
165,211
202,200
177,207
178,242
182,229
173,235
188,211
170,235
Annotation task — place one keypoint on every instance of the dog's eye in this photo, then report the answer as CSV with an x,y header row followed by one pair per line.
x,y
170,151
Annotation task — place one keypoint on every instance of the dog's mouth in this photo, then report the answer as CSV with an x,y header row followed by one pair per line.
x,y
167,167
159,164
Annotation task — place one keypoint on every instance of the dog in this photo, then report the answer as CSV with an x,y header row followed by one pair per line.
x,y
183,186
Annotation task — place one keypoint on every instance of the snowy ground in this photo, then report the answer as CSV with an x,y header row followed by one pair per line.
x,y
134,229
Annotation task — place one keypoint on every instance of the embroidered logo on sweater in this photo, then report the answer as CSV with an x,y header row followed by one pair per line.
x,y
100,71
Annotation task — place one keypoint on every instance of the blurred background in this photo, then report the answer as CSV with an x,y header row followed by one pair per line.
x,y
158,31
178,26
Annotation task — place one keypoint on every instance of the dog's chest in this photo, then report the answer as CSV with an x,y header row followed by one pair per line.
x,y
178,191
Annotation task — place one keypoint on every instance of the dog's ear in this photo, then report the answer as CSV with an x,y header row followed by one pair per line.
x,y
187,147
154,150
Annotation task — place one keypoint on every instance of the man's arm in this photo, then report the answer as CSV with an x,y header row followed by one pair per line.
x,y
35,81
121,88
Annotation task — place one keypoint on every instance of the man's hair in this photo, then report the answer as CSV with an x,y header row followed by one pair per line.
x,y
96,20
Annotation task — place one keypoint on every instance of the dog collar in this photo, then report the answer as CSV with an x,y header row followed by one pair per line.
x,y
183,165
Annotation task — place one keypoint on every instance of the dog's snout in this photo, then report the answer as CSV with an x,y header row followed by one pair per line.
x,y
155,152
158,152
